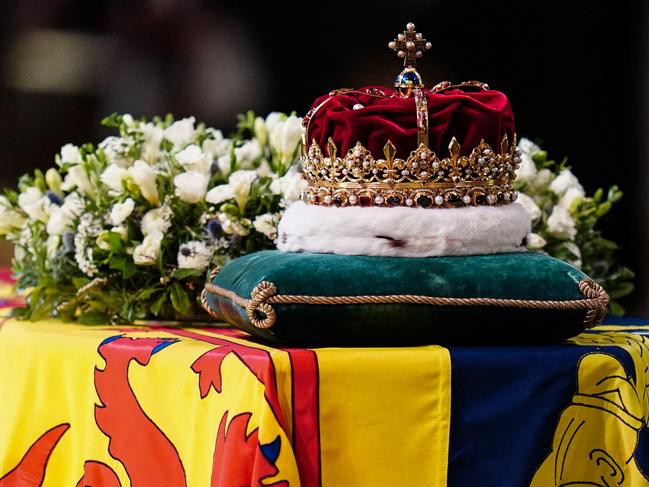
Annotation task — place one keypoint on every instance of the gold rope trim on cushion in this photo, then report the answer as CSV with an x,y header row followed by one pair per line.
x,y
262,315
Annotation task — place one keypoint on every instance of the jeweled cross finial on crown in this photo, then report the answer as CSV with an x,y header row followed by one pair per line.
x,y
409,45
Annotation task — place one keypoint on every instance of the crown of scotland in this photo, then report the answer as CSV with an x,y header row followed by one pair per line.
x,y
345,164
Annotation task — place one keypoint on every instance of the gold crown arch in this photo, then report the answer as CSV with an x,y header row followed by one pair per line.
x,y
424,179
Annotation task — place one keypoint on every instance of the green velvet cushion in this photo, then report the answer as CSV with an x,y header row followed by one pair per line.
x,y
309,279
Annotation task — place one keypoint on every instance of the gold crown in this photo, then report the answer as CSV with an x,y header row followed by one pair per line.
x,y
423,180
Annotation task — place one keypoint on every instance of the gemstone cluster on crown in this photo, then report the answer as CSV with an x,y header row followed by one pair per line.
x,y
424,180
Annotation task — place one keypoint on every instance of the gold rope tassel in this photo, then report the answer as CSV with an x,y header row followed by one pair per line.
x,y
262,315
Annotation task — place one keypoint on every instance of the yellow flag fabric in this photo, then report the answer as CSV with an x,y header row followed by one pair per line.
x,y
155,405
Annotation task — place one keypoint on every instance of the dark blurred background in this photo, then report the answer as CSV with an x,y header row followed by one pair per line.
x,y
577,74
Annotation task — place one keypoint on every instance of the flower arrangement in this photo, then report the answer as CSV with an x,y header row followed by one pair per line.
x,y
128,229
564,220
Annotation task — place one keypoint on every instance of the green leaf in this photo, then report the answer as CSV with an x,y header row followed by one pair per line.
x,y
157,306
185,273
114,120
79,282
124,264
115,242
603,209
93,318
614,308
179,298
621,289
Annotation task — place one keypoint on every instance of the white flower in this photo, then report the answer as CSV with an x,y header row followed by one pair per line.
x,y
285,137
535,241
217,145
145,177
194,255
564,181
561,224
261,131
272,119
114,149
529,205
157,220
102,241
191,186
289,186
543,178
238,188
52,245
114,177
230,226
70,154
10,219
53,180
59,222
574,250
193,159
248,153
35,204
267,224
127,119
241,182
572,195
152,138
223,162
77,177
527,170
181,133
219,194
148,251
121,211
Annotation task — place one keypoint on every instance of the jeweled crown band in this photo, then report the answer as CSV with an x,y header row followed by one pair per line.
x,y
423,180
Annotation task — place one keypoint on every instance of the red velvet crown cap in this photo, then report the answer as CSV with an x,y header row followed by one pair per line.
x,y
469,116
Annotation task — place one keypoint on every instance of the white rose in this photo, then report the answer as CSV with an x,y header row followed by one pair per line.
x,y
564,181
152,139
70,154
114,148
267,224
241,182
148,251
77,177
193,159
561,224
157,220
535,241
191,186
289,186
35,204
217,145
127,119
574,250
573,194
218,194
181,133
194,255
113,177
248,153
121,211
10,219
145,177
530,206
285,137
